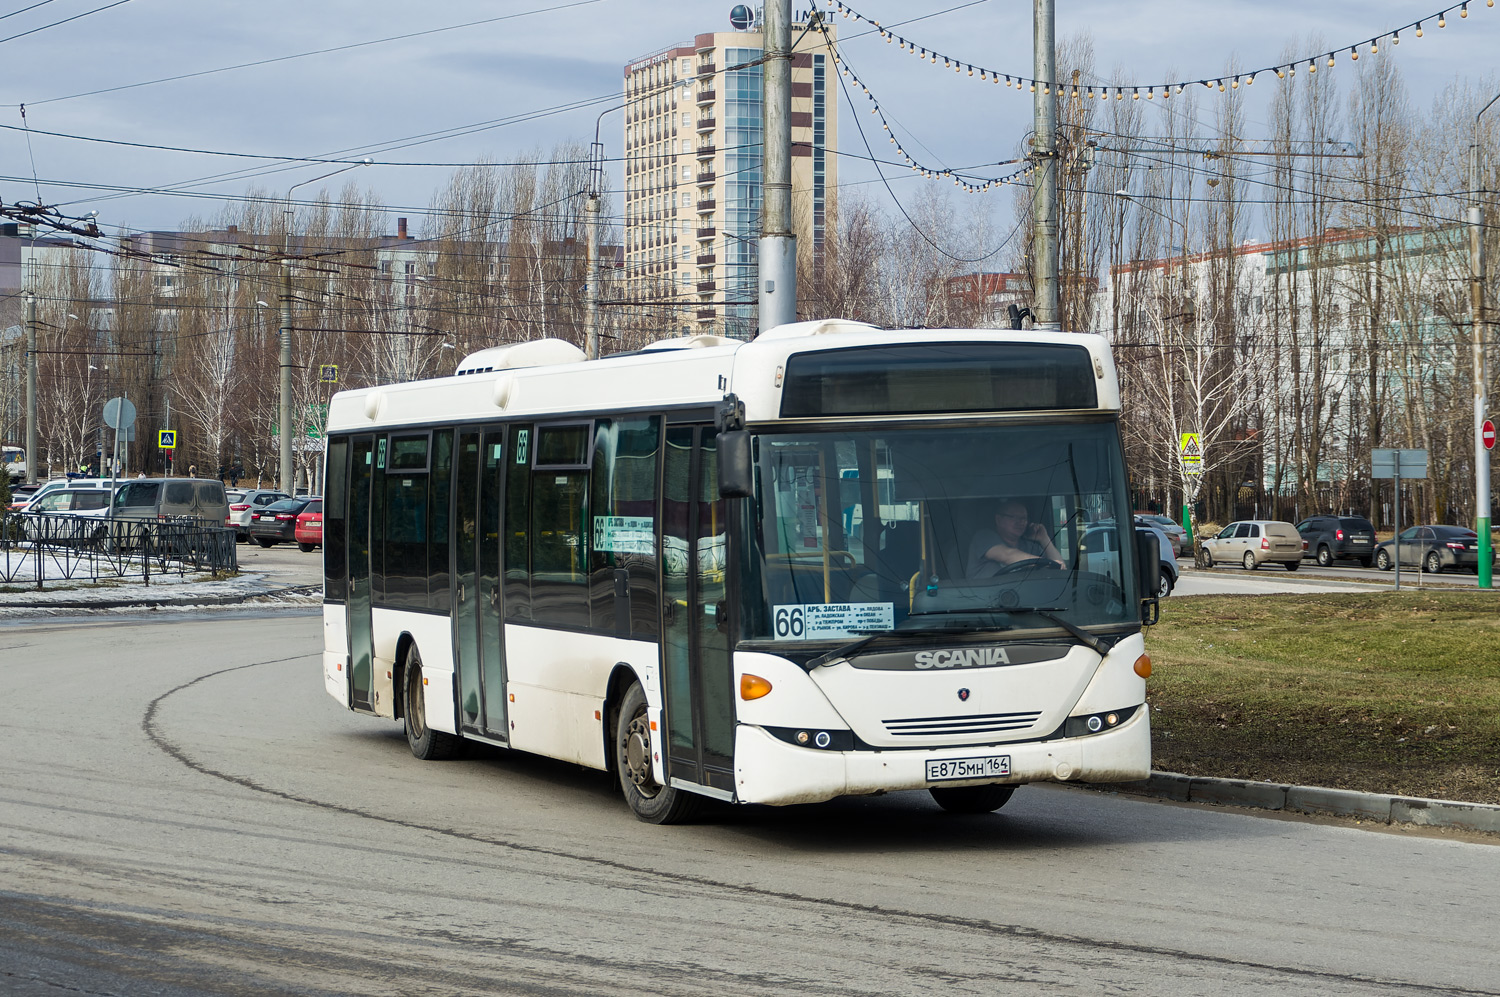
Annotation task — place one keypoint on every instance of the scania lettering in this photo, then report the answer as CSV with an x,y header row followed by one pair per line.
x,y
752,572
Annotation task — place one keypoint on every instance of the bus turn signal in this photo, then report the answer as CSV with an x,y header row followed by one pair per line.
x,y
753,686
1143,666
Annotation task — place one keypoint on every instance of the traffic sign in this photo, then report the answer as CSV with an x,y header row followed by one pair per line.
x,y
1390,463
166,439
119,413
1192,448
1487,433
328,373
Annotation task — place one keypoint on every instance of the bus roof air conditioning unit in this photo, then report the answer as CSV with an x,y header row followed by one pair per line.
x,y
536,353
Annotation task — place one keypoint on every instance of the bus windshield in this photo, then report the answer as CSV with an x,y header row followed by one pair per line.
x,y
855,532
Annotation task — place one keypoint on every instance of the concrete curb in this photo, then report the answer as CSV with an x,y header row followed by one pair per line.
x,y
1313,800
176,599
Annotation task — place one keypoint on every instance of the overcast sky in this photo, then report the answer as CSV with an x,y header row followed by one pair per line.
x,y
554,53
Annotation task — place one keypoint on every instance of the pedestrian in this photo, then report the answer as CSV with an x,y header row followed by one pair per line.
x,y
235,474
192,470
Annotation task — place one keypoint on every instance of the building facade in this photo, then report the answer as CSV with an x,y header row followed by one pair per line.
x,y
693,136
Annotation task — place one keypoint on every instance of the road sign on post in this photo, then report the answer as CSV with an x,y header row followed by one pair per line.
x,y
1487,433
328,373
166,439
1398,464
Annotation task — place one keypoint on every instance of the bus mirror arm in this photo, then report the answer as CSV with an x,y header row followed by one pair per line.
x,y
736,475
1147,570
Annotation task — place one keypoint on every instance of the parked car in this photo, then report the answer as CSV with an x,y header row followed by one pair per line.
x,y
1100,547
155,499
244,503
57,484
309,529
68,515
1173,530
1433,547
1337,538
20,495
1253,542
277,522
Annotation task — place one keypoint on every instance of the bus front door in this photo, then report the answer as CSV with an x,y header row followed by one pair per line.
x,y
361,642
697,673
478,610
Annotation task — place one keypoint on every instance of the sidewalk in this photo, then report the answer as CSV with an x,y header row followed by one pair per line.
x,y
176,591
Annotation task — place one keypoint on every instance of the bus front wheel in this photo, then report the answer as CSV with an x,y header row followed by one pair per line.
x,y
635,747
427,744
972,799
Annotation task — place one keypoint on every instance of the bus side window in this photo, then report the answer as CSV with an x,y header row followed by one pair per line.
x,y
518,526
559,509
439,535
623,513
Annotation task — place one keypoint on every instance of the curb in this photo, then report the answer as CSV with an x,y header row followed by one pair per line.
x,y
186,599
1313,800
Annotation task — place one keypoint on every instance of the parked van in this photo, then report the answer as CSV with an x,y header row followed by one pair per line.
x,y
152,499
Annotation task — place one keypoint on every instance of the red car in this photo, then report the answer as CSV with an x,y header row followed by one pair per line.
x,y
309,530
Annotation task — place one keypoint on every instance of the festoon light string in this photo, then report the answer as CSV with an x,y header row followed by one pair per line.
x,y
1223,83
966,186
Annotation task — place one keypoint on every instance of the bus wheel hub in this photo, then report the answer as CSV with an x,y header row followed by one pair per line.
x,y
638,751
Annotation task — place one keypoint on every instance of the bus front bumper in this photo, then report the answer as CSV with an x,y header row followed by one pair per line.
x,y
771,771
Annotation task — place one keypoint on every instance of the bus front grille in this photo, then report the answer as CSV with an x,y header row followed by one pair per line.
x,y
987,723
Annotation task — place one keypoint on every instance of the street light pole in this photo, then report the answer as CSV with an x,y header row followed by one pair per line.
x,y
1044,239
1481,398
284,413
31,435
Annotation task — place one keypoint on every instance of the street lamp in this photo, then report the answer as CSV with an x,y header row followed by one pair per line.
x,y
285,414
1481,398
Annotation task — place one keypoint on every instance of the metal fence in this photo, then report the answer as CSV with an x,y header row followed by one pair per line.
x,y
36,548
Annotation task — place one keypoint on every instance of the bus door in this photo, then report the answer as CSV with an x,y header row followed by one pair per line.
x,y
477,601
361,643
697,674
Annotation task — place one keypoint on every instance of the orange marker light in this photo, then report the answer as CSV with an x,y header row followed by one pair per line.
x,y
1143,666
753,686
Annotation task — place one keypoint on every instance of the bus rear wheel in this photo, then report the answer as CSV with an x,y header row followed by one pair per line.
x,y
635,748
972,799
427,744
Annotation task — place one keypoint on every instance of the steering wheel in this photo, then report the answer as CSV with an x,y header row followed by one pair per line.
x,y
1030,562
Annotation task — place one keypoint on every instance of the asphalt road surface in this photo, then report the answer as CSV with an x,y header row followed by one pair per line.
x,y
183,811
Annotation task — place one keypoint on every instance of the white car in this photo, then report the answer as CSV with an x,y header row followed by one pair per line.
x,y
68,515
244,503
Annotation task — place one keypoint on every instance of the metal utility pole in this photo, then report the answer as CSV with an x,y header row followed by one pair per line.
x,y
285,408
1481,397
591,248
1044,240
778,244
31,454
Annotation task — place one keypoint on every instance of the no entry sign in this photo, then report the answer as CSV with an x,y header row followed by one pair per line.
x,y
1487,433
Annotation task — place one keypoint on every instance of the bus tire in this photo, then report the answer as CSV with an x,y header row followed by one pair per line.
x,y
427,744
634,746
972,799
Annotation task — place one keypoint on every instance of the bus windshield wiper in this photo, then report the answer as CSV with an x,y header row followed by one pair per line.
x,y
1050,613
855,646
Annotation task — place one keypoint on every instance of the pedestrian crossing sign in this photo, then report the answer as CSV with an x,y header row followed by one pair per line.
x,y
166,439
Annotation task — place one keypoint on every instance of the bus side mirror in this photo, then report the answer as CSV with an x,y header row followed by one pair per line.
x,y
1148,574
736,479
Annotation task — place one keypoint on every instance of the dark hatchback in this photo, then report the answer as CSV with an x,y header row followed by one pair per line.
x,y
1337,538
277,522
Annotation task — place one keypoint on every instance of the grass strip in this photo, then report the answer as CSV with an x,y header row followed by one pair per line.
x,y
1382,692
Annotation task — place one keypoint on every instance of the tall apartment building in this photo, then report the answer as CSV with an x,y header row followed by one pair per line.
x,y
693,173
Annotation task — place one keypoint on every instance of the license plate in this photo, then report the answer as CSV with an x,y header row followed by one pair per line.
x,y
982,767
1360,540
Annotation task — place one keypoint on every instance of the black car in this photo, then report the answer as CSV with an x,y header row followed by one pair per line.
x,y
277,522
1337,538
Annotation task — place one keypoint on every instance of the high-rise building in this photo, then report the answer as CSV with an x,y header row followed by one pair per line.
x,y
693,173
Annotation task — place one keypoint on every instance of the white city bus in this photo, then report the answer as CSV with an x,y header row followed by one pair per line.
x,y
747,571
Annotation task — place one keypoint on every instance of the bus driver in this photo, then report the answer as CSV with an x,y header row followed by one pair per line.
x,y
1014,538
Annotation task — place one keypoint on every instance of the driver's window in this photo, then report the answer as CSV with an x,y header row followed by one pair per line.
x,y
1410,534
1226,532
51,503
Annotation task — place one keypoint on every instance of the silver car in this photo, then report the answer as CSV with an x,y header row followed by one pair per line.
x,y
1253,542
1173,530
244,503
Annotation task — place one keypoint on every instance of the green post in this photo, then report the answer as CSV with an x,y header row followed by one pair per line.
x,y
1187,522
1486,554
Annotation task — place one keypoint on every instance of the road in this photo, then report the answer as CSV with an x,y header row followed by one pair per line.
x,y
1226,579
186,812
